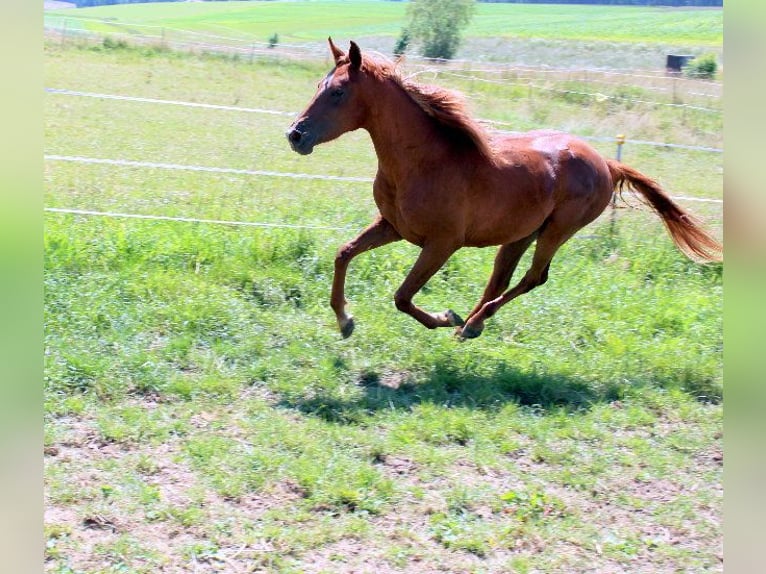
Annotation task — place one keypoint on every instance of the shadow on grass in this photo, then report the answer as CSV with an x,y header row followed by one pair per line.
x,y
446,384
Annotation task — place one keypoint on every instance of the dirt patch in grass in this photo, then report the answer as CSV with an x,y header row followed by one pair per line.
x,y
142,504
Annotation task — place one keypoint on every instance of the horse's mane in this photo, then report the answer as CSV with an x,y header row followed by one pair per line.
x,y
448,108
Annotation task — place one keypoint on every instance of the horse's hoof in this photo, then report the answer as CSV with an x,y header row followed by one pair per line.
x,y
347,328
469,332
454,319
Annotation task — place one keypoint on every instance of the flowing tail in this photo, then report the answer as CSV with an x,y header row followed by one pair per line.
x,y
685,229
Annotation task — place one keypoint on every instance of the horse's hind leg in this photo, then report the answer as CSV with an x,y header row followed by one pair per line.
x,y
506,261
379,233
550,239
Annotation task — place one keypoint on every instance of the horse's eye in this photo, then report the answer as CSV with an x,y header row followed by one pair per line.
x,y
337,93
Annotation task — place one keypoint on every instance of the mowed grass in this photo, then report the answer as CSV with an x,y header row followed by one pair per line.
x,y
203,414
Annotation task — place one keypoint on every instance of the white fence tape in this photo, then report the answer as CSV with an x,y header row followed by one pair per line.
x,y
66,92
192,219
170,102
148,164
594,95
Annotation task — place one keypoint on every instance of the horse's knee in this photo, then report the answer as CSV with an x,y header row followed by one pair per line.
x,y
343,256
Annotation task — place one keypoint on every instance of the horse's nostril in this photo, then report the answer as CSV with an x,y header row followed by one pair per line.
x,y
295,136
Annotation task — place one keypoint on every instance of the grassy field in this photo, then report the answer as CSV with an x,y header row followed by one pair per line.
x,y
558,35
203,415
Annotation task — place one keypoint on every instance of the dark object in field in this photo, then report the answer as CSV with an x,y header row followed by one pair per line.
x,y
675,63
444,183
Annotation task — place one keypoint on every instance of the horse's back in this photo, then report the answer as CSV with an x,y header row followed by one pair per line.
x,y
545,144
571,166
541,174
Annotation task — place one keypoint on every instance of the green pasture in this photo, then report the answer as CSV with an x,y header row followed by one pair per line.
x,y
558,35
203,414
310,21
317,20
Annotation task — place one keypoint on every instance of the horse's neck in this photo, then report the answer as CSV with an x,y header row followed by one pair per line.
x,y
402,133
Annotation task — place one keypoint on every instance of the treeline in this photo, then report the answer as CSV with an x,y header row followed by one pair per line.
x,y
698,3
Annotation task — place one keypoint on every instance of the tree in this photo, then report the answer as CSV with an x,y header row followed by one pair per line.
x,y
436,25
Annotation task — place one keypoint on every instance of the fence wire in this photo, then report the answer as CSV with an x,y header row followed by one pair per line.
x,y
66,92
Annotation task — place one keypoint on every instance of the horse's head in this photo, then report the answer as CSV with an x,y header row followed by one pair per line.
x,y
336,107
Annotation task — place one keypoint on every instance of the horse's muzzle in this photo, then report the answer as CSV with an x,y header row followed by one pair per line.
x,y
301,140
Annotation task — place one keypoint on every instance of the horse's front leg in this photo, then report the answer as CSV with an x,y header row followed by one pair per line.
x,y
430,260
380,232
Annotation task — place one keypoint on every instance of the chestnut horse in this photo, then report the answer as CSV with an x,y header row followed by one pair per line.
x,y
444,183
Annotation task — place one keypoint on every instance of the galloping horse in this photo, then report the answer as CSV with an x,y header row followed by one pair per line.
x,y
444,183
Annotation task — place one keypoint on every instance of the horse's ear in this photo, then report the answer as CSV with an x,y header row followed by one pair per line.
x,y
355,56
337,53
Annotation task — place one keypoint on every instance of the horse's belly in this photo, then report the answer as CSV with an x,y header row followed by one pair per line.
x,y
502,230
498,216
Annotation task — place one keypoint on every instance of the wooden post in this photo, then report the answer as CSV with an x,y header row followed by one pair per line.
x,y
620,139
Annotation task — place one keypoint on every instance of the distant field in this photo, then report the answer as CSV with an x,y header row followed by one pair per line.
x,y
499,31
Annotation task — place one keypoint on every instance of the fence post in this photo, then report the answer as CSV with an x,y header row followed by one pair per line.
x,y
620,139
